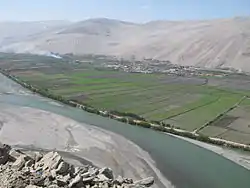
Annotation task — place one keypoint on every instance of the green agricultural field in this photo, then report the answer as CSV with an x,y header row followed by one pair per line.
x,y
234,125
183,102
214,131
200,116
152,96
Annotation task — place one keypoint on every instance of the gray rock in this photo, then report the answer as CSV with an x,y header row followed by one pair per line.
x,y
105,185
93,171
107,172
26,171
72,171
76,169
89,179
62,168
20,170
47,182
75,181
14,154
147,182
53,173
136,186
4,153
29,163
53,186
128,180
85,175
20,162
67,178
119,180
101,178
61,182
38,156
37,180
50,161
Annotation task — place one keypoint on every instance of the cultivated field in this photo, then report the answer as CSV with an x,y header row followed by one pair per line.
x,y
235,125
183,102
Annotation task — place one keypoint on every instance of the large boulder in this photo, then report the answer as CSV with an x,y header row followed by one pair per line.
x,y
147,182
101,178
4,153
32,186
61,182
14,154
34,170
38,156
107,172
119,180
49,162
21,161
62,168
76,182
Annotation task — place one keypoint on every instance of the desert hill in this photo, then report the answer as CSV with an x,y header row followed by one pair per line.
x,y
206,43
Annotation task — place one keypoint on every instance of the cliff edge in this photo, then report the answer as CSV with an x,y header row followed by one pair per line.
x,y
20,169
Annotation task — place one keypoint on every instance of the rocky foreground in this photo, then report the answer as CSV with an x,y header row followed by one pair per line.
x,y
34,169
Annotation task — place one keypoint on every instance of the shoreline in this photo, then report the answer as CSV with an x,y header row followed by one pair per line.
x,y
129,118
46,99
32,129
241,159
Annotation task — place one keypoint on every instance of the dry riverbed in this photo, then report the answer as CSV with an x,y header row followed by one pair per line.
x,y
34,129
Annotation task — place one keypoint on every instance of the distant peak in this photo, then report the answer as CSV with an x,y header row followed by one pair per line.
x,y
106,21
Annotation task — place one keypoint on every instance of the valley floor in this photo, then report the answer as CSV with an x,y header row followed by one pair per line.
x,y
216,105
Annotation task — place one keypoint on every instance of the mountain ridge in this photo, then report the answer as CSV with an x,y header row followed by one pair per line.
x,y
215,43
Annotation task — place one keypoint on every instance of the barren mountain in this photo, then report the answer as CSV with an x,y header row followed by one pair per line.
x,y
209,43
11,32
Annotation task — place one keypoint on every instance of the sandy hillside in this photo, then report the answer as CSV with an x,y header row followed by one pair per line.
x,y
208,43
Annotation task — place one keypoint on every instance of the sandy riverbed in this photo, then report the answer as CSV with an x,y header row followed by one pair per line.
x,y
36,129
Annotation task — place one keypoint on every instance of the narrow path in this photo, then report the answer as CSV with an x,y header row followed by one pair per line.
x,y
221,115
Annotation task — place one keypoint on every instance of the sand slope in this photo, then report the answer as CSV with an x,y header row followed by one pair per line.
x,y
208,43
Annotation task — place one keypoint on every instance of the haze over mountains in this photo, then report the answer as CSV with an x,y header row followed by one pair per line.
x,y
209,43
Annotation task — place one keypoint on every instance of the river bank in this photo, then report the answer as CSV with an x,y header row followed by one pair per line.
x,y
132,119
184,164
34,129
241,158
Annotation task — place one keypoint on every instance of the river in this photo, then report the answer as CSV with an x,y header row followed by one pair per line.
x,y
184,164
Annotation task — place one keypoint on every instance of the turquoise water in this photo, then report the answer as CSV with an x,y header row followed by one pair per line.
x,y
184,164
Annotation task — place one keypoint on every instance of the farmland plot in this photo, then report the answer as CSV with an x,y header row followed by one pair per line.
x,y
185,102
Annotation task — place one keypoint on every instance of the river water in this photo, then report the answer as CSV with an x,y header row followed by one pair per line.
x,y
184,164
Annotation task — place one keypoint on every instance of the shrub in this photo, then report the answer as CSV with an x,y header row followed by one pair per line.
x,y
131,121
131,115
159,128
144,124
156,122
124,120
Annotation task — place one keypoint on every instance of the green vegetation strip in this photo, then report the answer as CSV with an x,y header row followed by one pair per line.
x,y
133,120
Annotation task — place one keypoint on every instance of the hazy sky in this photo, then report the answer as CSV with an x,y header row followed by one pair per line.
x,y
129,10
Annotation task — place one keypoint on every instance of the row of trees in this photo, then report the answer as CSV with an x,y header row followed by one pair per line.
x,y
124,117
